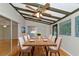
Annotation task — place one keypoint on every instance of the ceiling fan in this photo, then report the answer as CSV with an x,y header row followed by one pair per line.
x,y
40,10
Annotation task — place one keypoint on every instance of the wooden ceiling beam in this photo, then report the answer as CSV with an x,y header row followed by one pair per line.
x,y
37,20
24,10
51,8
48,15
36,17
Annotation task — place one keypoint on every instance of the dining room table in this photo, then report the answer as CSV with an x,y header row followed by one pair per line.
x,y
39,42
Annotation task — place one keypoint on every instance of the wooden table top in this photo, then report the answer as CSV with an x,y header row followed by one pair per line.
x,y
37,42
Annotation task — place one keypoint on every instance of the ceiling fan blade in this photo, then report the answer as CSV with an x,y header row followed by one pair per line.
x,y
30,8
47,5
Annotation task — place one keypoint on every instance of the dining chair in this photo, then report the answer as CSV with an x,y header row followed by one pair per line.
x,y
24,49
56,47
50,37
28,37
25,37
32,47
54,38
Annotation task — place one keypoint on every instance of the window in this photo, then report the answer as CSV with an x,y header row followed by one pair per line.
x,y
77,26
32,30
65,28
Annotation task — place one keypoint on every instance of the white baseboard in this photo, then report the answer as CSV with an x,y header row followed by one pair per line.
x,y
66,51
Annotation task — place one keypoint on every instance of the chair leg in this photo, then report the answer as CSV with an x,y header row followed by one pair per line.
x,y
28,54
55,53
50,53
21,53
31,53
58,53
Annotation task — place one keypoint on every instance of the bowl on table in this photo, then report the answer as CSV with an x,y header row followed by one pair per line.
x,y
45,40
32,40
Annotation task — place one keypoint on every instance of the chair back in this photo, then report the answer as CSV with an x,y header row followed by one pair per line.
x,y
50,37
28,37
21,42
25,37
58,42
53,38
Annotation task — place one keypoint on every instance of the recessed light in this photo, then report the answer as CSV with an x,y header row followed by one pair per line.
x,y
4,26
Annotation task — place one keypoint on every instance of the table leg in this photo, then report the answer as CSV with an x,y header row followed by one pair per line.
x,y
46,51
33,47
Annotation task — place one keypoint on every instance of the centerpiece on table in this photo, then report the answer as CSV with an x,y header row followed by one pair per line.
x,y
39,35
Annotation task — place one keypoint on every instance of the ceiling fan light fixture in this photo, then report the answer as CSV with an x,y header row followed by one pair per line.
x,y
4,26
38,15
40,10
41,15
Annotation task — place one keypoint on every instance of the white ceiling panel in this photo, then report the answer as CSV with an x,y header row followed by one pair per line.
x,y
23,6
25,12
49,18
54,13
64,6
